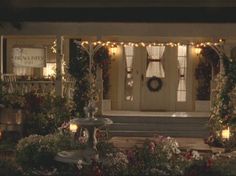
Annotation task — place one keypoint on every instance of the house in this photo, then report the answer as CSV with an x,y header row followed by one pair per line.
x,y
45,29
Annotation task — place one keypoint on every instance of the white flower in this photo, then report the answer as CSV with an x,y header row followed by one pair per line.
x,y
79,164
196,155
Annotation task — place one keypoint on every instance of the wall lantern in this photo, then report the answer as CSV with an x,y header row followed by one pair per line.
x,y
1,134
225,133
113,49
198,50
73,128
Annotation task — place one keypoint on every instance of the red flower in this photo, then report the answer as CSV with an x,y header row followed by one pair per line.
x,y
209,163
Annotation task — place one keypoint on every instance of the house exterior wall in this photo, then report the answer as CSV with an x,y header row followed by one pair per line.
x,y
162,32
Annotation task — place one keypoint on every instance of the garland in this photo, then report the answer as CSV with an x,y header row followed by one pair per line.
x,y
85,86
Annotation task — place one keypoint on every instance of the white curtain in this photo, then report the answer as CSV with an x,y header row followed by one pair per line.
x,y
129,54
155,67
182,66
129,82
23,71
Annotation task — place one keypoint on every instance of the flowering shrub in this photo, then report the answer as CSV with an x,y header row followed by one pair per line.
x,y
158,157
36,152
211,166
115,164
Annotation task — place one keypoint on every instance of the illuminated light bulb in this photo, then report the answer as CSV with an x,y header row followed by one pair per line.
x,y
99,42
1,133
122,43
208,43
220,40
94,43
73,127
143,44
225,134
136,45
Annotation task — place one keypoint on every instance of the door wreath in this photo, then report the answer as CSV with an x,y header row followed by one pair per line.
x,y
154,84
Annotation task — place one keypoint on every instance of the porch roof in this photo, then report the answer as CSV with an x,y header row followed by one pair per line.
x,y
118,11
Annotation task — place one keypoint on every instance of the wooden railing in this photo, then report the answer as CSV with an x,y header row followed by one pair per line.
x,y
41,87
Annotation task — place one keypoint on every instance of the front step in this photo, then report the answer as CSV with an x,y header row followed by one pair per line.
x,y
151,126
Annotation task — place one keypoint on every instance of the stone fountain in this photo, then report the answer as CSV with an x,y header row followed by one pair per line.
x,y
91,124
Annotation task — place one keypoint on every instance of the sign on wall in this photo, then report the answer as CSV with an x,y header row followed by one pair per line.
x,y
29,57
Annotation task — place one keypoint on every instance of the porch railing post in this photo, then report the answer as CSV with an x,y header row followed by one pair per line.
x,y
59,59
1,57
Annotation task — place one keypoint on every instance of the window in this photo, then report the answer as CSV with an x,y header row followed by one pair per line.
x,y
23,71
129,82
49,70
155,68
182,73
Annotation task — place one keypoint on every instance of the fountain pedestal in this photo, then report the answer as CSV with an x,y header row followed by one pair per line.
x,y
90,153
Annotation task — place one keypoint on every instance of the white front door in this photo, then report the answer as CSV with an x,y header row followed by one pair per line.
x,y
165,98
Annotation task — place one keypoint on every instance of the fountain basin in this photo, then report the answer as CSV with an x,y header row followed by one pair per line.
x,y
91,122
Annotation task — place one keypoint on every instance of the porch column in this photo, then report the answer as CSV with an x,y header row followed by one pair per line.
x,y
59,59
99,82
1,57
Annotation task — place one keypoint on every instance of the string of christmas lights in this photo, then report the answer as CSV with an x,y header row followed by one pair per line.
x,y
144,44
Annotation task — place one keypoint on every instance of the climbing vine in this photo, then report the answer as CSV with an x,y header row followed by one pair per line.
x,y
85,86
222,113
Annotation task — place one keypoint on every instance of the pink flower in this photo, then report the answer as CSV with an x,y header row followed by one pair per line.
x,y
209,163
152,147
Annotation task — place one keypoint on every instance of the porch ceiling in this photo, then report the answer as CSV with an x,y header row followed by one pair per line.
x,y
122,3
162,32
118,11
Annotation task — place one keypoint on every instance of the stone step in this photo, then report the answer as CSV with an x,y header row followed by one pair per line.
x,y
138,133
157,126
148,126
167,120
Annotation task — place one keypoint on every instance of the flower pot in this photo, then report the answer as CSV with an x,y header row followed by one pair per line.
x,y
202,106
9,116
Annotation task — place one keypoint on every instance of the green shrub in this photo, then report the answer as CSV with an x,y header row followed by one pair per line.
x,y
8,168
44,114
36,152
